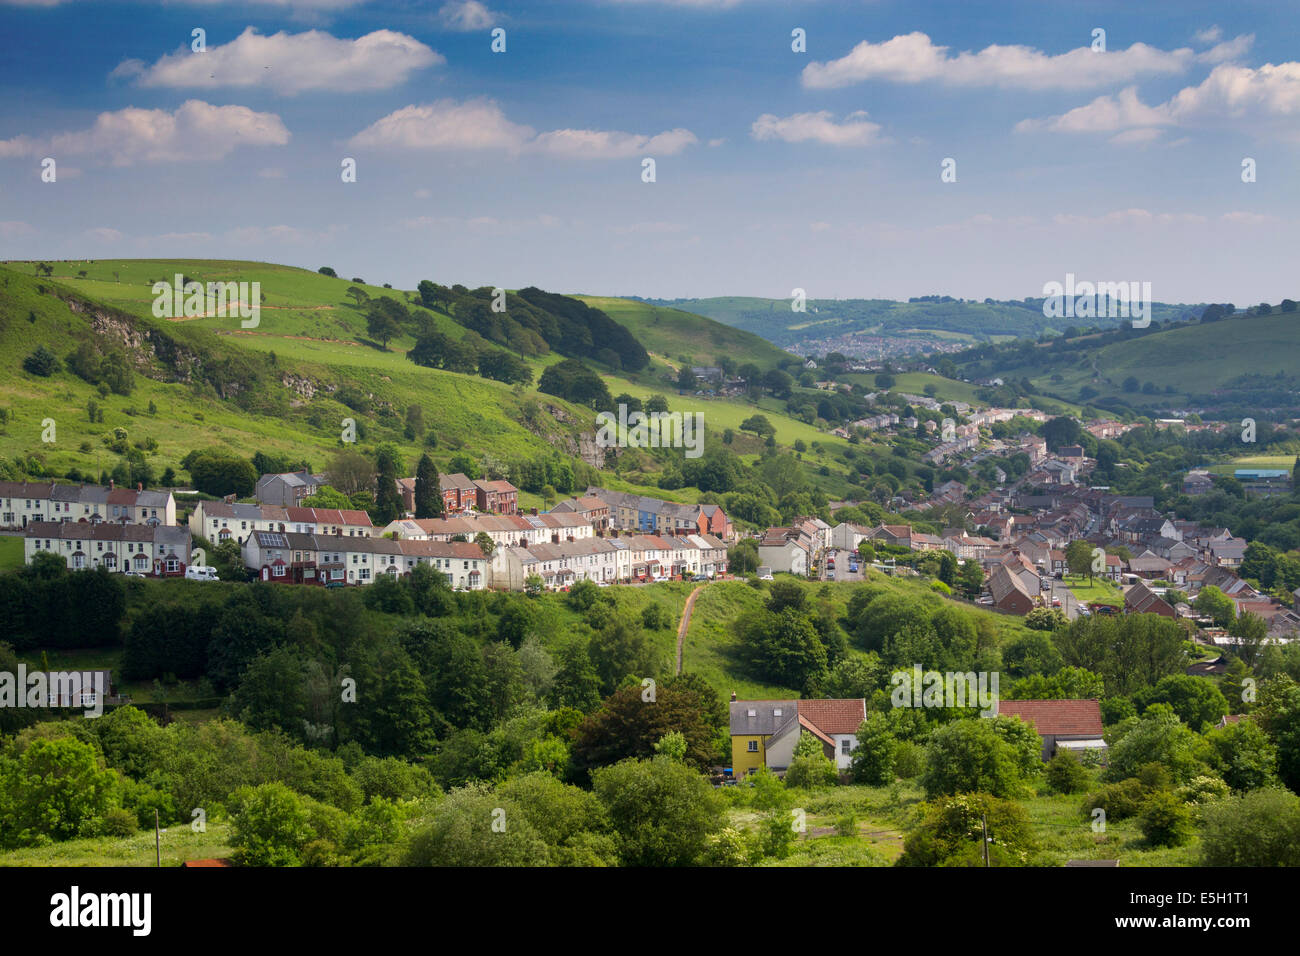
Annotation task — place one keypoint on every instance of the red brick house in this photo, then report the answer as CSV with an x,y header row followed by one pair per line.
x,y
496,497
458,492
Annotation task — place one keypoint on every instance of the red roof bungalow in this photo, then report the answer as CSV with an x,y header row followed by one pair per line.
x,y
1061,724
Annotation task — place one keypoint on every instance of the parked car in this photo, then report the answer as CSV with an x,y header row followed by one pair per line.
x,y
765,574
201,572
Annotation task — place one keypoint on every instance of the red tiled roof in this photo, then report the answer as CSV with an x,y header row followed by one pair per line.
x,y
834,716
1075,718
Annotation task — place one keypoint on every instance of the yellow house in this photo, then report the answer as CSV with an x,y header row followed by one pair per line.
x,y
764,732
761,734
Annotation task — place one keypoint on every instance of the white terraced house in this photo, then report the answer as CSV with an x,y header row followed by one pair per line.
x,y
335,560
22,502
155,550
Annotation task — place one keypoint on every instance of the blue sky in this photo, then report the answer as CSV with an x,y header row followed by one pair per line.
x,y
775,169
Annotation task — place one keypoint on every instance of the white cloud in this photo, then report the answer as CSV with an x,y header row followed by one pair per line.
x,y
481,124
104,234
13,228
914,58
1232,49
1230,94
487,226
648,229
1208,35
1249,218
291,63
820,127
466,15
1130,217
446,124
292,235
195,131
1105,114
605,144
697,4
292,6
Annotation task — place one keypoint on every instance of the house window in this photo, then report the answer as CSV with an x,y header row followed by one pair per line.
x,y
753,746
845,746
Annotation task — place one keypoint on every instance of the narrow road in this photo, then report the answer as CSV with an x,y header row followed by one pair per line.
x,y
686,623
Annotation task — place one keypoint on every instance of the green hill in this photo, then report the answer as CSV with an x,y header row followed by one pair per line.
x,y
673,334
285,387
924,319
1238,363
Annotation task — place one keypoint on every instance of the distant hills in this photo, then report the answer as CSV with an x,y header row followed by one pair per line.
x,y
857,327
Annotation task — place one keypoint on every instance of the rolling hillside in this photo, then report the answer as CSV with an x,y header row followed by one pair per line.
x,y
672,334
849,325
285,386
1238,363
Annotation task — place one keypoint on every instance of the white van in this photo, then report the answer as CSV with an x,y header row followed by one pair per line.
x,y
201,572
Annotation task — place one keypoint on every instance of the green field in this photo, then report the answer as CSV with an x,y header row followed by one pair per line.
x,y
11,552
1098,592
175,845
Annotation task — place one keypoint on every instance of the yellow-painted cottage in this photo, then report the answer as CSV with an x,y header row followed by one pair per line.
x,y
764,732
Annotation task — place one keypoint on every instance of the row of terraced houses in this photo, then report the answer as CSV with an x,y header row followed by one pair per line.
x,y
135,532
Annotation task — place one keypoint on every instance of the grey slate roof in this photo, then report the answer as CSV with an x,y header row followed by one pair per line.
x,y
765,720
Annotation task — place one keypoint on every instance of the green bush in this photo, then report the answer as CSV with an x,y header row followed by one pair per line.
x,y
909,759
1119,800
118,822
1166,820
1065,774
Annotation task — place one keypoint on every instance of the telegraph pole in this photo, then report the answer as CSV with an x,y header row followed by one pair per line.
x,y
157,842
984,825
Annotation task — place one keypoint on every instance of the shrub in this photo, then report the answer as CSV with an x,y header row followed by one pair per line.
x,y
656,617
909,759
809,772
118,822
1260,828
1065,774
1165,820
41,362
1119,800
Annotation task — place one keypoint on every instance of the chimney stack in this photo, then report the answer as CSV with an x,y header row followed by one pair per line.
x,y
733,695
110,484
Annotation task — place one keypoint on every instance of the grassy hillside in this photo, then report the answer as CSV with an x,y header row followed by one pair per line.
x,y
1240,362
674,335
278,386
